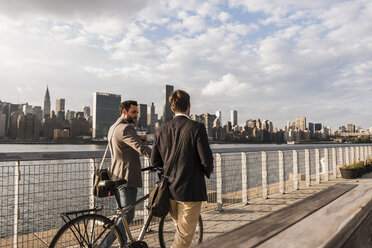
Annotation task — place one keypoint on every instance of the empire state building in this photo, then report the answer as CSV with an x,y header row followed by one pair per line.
x,y
46,109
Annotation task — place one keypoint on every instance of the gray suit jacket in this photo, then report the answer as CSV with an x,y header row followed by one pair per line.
x,y
125,146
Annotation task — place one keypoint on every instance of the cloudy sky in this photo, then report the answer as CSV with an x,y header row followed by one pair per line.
x,y
267,59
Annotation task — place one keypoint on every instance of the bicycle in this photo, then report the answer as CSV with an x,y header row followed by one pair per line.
x,y
87,228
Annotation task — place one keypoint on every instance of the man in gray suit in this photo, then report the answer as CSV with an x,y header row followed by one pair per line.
x,y
125,146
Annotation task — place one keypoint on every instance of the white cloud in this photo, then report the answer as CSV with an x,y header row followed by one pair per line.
x,y
190,23
228,85
223,16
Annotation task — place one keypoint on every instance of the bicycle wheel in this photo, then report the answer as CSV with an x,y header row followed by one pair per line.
x,y
167,230
86,231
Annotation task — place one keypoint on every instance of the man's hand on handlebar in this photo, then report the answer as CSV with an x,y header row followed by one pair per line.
x,y
152,168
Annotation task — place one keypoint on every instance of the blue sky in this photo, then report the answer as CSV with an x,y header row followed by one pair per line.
x,y
267,59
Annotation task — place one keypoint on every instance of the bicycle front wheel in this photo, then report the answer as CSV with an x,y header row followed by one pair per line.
x,y
167,229
86,231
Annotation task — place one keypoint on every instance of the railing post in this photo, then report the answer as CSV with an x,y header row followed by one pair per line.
x,y
370,151
366,152
92,169
244,178
360,153
264,174
219,181
347,155
281,172
357,153
334,163
317,166
146,189
352,154
17,178
340,156
307,167
295,170
326,159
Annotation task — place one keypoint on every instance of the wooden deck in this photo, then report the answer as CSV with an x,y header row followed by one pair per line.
x,y
337,216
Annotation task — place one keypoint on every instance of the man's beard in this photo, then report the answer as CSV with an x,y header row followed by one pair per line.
x,y
130,119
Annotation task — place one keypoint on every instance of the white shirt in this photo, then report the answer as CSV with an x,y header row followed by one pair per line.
x,y
182,115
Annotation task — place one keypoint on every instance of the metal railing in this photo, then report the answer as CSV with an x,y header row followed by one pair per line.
x,y
36,187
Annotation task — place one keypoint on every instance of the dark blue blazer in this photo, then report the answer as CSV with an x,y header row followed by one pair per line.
x,y
195,160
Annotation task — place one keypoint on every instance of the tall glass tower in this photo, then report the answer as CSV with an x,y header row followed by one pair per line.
x,y
234,118
105,113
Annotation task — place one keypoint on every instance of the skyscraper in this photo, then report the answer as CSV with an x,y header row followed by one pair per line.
x,y
86,111
60,105
208,120
36,110
351,128
142,116
311,127
300,123
219,115
151,118
234,118
105,113
318,126
167,112
288,125
60,108
2,124
27,109
46,109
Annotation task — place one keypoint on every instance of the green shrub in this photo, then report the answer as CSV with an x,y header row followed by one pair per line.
x,y
355,165
369,161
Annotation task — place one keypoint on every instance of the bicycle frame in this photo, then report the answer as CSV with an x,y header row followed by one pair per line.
x,y
125,223
66,216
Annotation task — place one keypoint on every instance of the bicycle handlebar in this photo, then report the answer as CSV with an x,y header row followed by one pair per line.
x,y
152,168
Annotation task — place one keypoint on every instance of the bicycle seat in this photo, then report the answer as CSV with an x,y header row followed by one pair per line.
x,y
111,185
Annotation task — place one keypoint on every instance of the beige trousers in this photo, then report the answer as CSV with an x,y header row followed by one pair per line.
x,y
185,216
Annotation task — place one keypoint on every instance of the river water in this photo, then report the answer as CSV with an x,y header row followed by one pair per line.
x,y
5,148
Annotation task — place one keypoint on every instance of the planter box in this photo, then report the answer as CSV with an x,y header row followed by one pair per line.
x,y
349,173
360,172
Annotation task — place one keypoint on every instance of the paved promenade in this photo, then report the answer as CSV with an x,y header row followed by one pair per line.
x,y
233,216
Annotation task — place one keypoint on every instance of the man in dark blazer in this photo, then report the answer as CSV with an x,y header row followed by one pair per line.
x,y
186,183
126,146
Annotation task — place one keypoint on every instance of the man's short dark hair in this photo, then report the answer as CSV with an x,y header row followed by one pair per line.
x,y
126,105
179,101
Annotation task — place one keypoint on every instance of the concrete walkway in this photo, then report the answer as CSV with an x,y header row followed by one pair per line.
x,y
234,216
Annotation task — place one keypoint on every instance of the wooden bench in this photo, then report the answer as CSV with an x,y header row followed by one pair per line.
x,y
339,216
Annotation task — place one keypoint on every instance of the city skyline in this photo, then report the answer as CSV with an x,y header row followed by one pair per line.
x,y
299,122
266,60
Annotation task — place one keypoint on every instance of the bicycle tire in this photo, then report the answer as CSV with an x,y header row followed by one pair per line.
x,y
85,231
167,231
